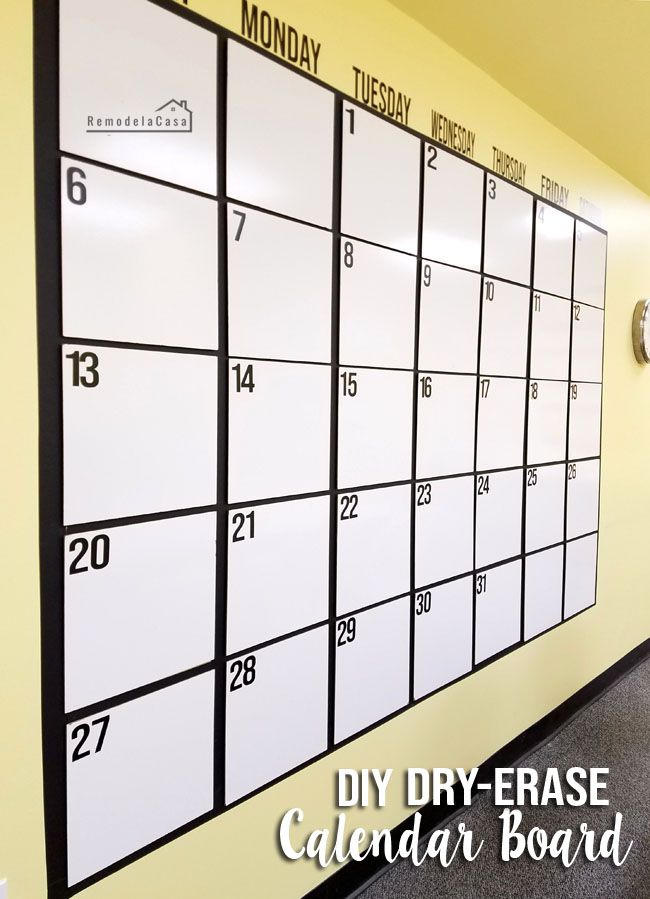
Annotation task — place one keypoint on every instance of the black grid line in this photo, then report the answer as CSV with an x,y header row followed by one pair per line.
x,y
48,158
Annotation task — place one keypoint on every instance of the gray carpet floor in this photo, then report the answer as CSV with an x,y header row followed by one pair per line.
x,y
614,733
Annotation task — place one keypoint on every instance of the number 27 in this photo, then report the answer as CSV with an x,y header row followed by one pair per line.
x,y
82,732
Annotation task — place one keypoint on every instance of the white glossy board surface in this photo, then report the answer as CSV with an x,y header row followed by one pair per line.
x,y
139,261
331,405
583,486
375,413
374,546
279,138
545,491
584,420
547,401
543,603
444,529
127,60
504,329
498,516
449,313
446,424
374,207
443,635
501,419
278,429
498,610
550,336
143,585
141,769
279,287
372,666
587,343
590,264
453,210
553,250
580,584
143,438
508,231
278,558
287,693
377,311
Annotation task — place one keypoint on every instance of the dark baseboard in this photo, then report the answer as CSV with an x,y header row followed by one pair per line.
x,y
354,877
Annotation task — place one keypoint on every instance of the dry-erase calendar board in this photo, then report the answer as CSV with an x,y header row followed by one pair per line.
x,y
320,422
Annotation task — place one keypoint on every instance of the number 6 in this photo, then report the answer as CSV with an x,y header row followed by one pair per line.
x,y
77,193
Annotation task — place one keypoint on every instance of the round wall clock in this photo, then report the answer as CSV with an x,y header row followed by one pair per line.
x,y
641,331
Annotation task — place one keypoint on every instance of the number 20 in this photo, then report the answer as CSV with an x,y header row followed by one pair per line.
x,y
100,549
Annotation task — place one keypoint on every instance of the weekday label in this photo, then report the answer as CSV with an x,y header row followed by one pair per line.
x,y
452,134
554,191
592,212
508,166
381,96
283,39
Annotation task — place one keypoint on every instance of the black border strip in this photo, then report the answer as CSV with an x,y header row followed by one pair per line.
x,y
48,268
354,877
414,428
50,417
334,493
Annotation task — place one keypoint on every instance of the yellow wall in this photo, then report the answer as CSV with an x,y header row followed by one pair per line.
x,y
235,855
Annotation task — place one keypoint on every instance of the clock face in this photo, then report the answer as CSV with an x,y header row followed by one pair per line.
x,y
641,331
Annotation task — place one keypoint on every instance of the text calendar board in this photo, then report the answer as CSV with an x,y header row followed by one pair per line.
x,y
320,415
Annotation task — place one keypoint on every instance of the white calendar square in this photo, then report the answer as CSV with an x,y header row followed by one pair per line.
x,y
372,666
139,260
279,137
452,222
498,516
550,335
504,329
553,250
547,401
375,424
587,343
449,312
374,546
279,287
443,635
271,693
545,490
508,231
380,181
580,577
543,602
444,529
278,569
589,266
138,771
583,489
139,432
150,584
584,420
128,96
279,425
446,424
377,306
498,610
501,416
